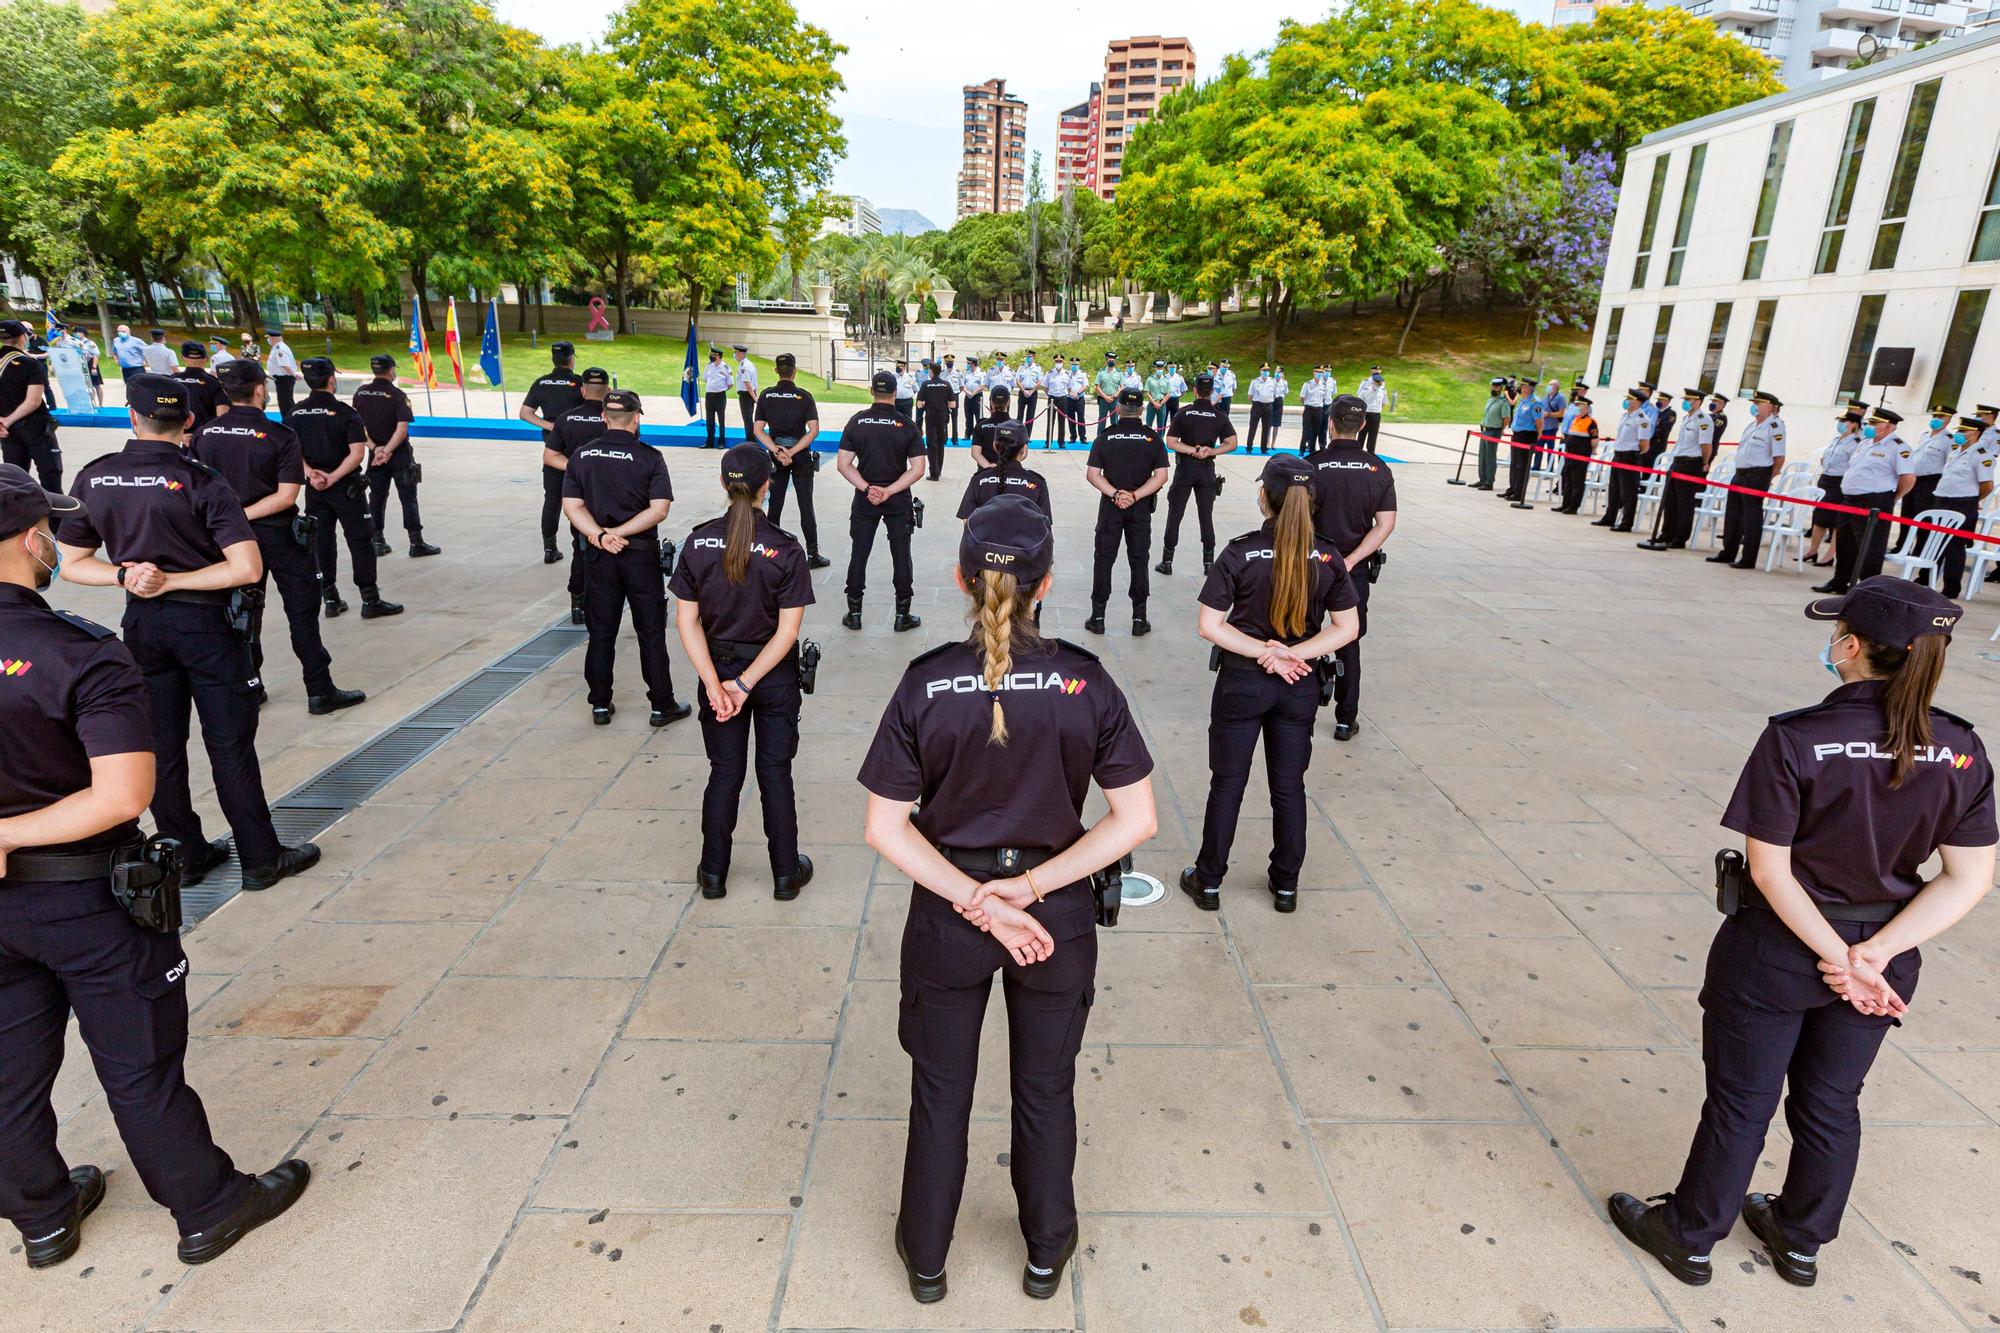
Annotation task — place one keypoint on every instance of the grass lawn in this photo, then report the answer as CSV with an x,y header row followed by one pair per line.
x,y
647,363
1441,377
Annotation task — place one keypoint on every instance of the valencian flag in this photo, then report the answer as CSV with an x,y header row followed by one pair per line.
x,y
489,346
688,372
451,340
420,345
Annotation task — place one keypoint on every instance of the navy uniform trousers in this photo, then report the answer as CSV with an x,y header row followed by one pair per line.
x,y
947,978
630,578
715,418
1134,527
67,946
1347,688
291,567
934,439
861,524
190,656
552,484
1743,515
773,709
345,503
1851,563
399,471
1952,563
1249,703
26,444
1768,1019
1186,482
799,477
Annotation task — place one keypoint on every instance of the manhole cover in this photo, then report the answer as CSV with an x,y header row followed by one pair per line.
x,y
1140,890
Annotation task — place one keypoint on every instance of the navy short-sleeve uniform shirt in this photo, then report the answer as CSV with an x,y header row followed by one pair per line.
x,y
151,502
20,372
1240,586
206,396
786,408
935,395
327,429
69,693
1204,424
747,612
382,406
576,428
552,396
884,443
1818,782
616,477
254,454
1067,725
1128,454
1350,487
1005,479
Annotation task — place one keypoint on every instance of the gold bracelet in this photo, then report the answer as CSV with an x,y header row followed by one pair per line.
x,y
1029,875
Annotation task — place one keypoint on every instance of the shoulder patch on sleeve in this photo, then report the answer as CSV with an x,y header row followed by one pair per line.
x,y
1078,649
90,627
929,653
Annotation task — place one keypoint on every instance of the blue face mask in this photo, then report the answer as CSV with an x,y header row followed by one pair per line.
x,y
1826,655
1958,437
1937,423
1867,432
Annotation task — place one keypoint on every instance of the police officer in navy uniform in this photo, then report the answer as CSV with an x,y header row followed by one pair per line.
x,y
881,457
787,423
205,392
1278,600
385,411
578,426
548,398
1840,806
1197,435
977,780
1008,475
27,430
262,462
1354,508
938,401
1127,466
744,586
176,541
998,413
78,743
616,493
334,444
715,401
1878,474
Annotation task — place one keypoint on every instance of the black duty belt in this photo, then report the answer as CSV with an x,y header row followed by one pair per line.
x,y
737,650
41,867
197,597
1736,891
1852,912
280,520
1236,662
996,861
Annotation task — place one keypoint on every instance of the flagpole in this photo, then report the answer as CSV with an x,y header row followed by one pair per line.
x,y
493,313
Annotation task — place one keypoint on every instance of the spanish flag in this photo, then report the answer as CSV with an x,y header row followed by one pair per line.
x,y
420,345
451,340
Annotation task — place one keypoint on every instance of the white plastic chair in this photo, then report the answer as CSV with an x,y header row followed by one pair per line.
x,y
1650,489
1597,480
1793,524
1924,559
1543,474
1981,560
1708,506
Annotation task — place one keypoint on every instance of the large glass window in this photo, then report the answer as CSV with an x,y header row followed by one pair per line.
x,y
1860,347
1718,334
1611,328
1767,200
1966,317
1690,188
1903,181
1847,171
1652,221
1986,239
1663,324
1760,343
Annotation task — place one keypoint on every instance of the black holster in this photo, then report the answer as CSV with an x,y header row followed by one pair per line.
x,y
1732,879
670,554
809,655
304,528
416,473
1329,671
147,885
245,605
1107,886
916,512
1373,565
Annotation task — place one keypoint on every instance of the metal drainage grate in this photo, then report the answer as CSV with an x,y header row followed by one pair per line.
x,y
321,801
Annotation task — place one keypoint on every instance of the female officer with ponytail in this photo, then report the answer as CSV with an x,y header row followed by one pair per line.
x,y
1840,807
744,589
1263,607
1007,476
999,737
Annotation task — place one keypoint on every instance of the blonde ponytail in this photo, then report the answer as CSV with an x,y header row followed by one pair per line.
x,y
1003,622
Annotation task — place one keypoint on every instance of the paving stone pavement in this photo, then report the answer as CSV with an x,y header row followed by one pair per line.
x,y
545,1086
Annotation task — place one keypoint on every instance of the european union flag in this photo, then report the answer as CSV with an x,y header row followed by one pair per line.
x,y
489,345
688,373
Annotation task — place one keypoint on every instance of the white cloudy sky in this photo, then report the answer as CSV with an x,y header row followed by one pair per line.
x,y
906,63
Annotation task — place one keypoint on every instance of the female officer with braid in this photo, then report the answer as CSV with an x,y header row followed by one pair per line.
x,y
999,737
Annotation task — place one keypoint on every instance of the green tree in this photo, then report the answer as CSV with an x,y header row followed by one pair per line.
x,y
53,91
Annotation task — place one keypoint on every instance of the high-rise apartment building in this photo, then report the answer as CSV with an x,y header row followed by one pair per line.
x,y
993,168
1073,144
1816,39
1576,11
1138,72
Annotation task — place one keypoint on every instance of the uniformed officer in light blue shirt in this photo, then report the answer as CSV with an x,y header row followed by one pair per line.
x,y
1628,445
1877,476
1966,480
1028,391
1693,449
1760,455
715,382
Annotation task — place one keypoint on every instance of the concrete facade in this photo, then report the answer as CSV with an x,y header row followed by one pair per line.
x,y
1138,73
993,167
1812,40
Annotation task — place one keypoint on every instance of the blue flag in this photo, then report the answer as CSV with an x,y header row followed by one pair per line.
x,y
688,372
489,345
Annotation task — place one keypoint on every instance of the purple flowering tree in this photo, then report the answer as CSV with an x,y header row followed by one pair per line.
x,y
1543,237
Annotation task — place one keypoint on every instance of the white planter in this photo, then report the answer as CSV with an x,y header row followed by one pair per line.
x,y
1082,313
1006,317
1143,307
822,298
1048,314
1116,307
946,298
1175,307
911,309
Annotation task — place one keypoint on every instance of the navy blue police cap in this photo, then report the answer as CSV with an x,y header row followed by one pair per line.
x,y
746,465
13,328
882,381
158,398
1010,438
1348,402
1282,473
1204,382
595,375
240,374
381,361
1130,398
1891,610
23,502
623,400
317,369
192,349
563,350
1009,534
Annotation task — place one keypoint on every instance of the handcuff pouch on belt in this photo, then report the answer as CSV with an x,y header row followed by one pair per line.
x,y
304,528
809,655
670,554
415,472
1373,565
244,605
1732,876
147,884
1328,669
916,512
1107,886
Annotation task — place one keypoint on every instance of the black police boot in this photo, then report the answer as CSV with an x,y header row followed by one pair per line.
x,y
1042,1286
202,858
1646,1227
1207,899
712,884
1759,1210
904,620
381,544
814,560
786,887
923,1290
1284,899
1722,558
550,555
291,860
420,547
1166,565
602,716
576,608
1096,622
1207,562
270,1195
333,701
852,619
333,605
672,713
373,607
1830,586
1344,731
50,1250
1140,625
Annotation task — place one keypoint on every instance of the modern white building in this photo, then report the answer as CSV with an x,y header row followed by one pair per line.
x,y
1818,39
1783,244
860,219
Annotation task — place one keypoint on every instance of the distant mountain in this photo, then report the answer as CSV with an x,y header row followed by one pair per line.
x,y
904,222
